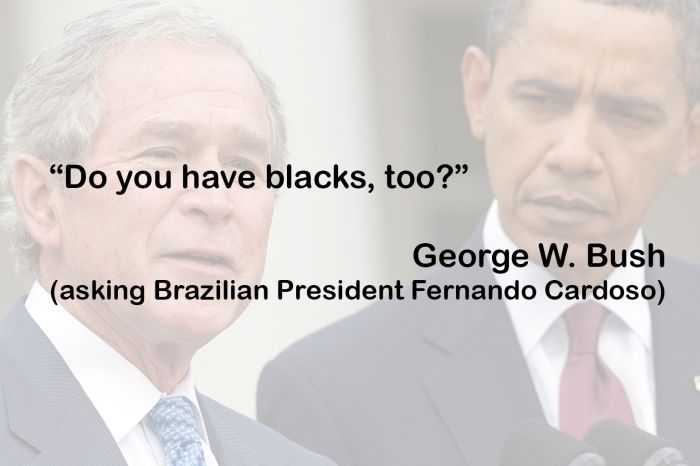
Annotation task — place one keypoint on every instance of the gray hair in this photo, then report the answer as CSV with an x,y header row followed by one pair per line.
x,y
56,105
506,14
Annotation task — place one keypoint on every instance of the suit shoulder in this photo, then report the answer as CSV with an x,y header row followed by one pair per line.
x,y
381,326
3,404
681,280
369,330
274,448
5,373
13,450
684,273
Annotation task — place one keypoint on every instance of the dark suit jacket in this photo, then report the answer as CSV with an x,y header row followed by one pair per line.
x,y
46,418
444,383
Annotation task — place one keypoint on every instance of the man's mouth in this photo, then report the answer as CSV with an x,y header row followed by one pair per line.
x,y
200,258
567,210
207,261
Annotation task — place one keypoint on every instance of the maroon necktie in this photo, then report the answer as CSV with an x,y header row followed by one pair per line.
x,y
589,391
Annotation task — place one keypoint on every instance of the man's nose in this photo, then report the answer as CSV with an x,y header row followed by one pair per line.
x,y
577,150
210,205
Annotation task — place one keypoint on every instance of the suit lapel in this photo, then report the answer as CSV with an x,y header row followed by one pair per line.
x,y
483,388
676,329
46,406
225,440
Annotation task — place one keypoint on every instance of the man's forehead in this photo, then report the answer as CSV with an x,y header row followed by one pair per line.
x,y
596,24
135,76
574,37
209,88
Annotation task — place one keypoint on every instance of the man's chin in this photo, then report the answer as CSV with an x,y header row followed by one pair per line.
x,y
194,321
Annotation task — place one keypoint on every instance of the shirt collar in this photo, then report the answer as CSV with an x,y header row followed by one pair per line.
x,y
121,393
532,319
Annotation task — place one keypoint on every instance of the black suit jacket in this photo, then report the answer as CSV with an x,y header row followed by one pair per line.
x,y
47,419
444,382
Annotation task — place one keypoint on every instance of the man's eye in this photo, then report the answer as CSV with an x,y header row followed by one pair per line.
x,y
161,154
542,102
629,119
240,164
159,158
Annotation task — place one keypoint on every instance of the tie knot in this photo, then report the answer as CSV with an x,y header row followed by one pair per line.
x,y
583,322
175,426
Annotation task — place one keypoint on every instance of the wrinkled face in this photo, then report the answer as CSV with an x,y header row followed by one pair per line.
x,y
168,105
585,117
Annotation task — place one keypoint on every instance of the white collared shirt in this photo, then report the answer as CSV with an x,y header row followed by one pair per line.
x,y
625,343
121,394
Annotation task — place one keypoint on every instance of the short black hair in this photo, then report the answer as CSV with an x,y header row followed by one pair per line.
x,y
505,15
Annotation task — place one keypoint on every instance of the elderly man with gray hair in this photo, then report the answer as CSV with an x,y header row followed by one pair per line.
x,y
106,380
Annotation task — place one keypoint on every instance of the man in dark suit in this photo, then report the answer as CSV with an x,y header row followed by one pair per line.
x,y
94,367
586,108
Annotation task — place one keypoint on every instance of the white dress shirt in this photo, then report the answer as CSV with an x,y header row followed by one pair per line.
x,y
121,394
625,343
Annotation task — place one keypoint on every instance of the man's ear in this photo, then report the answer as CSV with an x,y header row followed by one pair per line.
x,y
476,79
35,194
691,151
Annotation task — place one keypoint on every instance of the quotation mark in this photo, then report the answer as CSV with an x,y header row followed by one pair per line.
x,y
56,169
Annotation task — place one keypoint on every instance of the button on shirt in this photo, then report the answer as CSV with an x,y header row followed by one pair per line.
x,y
625,340
121,394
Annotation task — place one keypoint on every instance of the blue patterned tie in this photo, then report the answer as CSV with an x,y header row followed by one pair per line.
x,y
176,428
